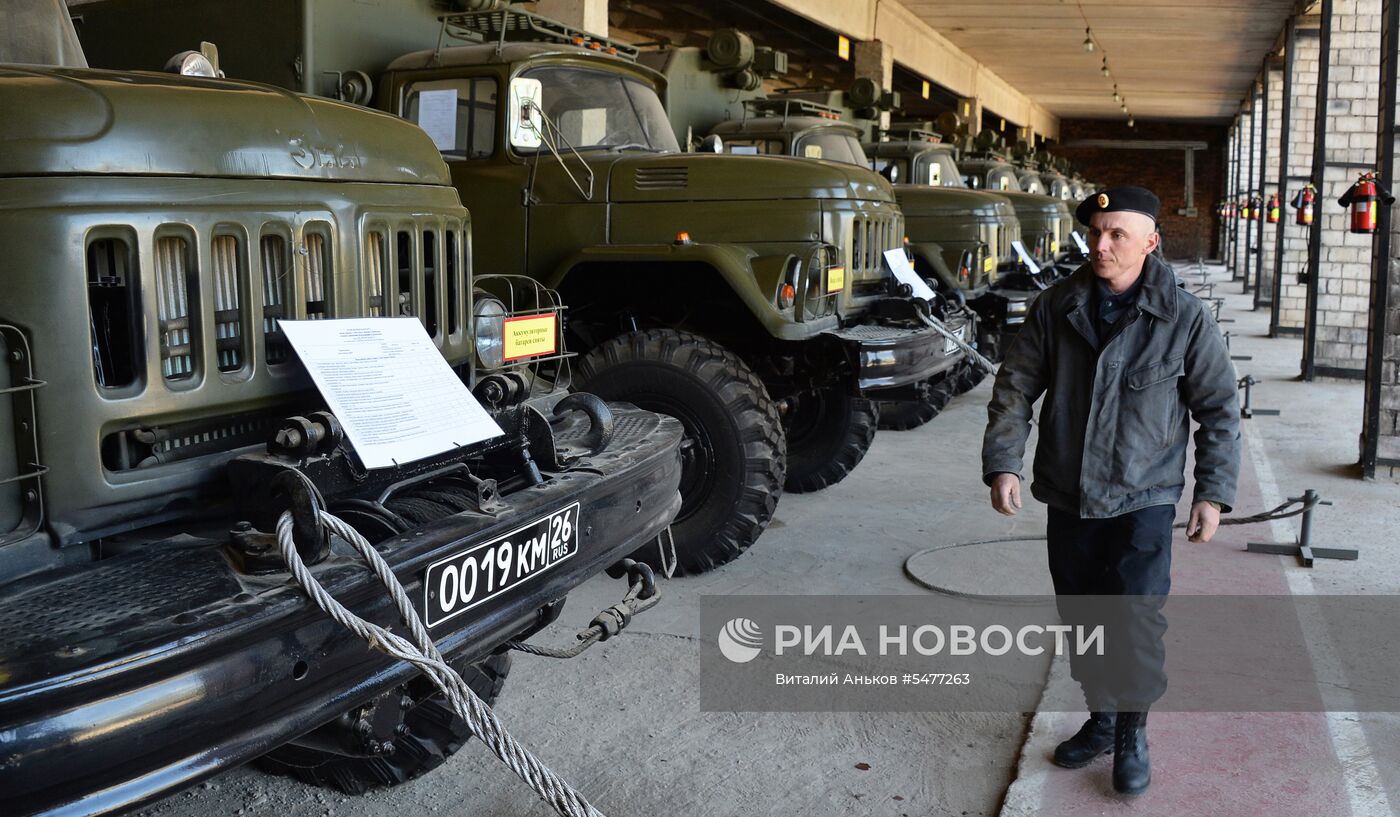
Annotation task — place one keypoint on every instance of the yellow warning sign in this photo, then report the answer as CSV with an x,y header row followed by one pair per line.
x,y
835,279
530,336
989,263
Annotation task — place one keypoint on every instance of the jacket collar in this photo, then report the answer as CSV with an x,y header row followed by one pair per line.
x,y
1157,297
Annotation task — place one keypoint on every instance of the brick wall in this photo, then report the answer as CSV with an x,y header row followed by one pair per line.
x,y
1343,298
1291,309
1251,135
1161,171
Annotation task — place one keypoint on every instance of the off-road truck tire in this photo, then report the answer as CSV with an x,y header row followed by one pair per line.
x,y
968,378
828,436
433,732
734,462
905,415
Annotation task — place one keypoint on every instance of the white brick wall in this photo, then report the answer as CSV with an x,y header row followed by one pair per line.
x,y
1292,296
1270,186
1345,272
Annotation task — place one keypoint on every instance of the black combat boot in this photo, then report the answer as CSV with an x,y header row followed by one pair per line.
x,y
1131,772
1094,738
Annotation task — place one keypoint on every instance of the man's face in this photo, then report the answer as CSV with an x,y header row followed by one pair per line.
x,y
1118,243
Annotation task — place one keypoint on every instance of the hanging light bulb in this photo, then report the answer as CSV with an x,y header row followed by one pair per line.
x,y
1131,122
1088,40
1125,107
1116,97
1105,66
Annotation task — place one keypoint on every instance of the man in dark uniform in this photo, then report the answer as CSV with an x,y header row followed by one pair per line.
x,y
1125,359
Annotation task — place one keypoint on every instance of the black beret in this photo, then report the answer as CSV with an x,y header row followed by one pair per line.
x,y
1123,199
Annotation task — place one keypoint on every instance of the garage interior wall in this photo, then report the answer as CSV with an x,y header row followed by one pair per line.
x,y
1161,170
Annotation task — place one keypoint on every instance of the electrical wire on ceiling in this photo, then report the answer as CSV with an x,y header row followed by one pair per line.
x,y
1093,45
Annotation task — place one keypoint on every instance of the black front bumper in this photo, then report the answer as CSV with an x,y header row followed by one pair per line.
x,y
128,678
889,357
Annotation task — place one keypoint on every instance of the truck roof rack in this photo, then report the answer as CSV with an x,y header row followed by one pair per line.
x,y
901,134
788,106
513,25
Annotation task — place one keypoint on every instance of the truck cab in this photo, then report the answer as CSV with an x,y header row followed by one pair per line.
x,y
155,425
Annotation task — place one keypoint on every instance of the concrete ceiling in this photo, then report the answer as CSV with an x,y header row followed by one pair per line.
x,y
1171,59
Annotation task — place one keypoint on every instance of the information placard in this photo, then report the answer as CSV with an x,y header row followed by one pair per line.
x,y
1025,256
904,273
391,389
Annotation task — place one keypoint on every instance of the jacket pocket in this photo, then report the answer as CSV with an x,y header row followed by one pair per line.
x,y
1150,375
1150,406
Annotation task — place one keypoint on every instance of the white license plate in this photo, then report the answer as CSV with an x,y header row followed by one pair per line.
x,y
482,572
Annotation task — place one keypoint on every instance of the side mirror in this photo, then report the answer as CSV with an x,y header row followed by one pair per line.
x,y
711,144
525,117
890,172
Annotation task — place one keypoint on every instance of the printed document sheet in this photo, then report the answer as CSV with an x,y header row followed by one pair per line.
x,y
390,388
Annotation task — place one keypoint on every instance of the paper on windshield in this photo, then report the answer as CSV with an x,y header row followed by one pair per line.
x,y
904,273
437,116
391,389
1080,242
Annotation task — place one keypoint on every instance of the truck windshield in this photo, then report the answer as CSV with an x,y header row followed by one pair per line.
x,y
837,146
937,168
598,110
1030,183
1004,178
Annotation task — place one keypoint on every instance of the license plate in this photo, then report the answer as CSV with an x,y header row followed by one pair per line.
x,y
482,572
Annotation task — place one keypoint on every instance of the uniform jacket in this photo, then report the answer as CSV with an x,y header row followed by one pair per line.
x,y
1114,422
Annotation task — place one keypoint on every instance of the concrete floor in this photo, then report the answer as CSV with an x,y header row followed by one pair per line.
x,y
622,722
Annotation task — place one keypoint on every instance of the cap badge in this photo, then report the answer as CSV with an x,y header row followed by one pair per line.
x,y
1103,200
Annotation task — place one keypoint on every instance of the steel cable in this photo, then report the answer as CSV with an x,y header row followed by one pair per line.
x,y
1277,512
424,655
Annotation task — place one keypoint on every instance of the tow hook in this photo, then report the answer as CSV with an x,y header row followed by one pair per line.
x,y
642,594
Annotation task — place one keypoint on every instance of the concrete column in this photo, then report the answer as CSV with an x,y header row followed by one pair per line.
x,y
875,60
588,15
1274,107
1245,181
1344,291
1302,100
970,109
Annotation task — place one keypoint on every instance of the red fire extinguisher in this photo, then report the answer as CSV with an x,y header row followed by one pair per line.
x,y
1364,199
1303,204
1229,209
1244,210
1255,205
1273,209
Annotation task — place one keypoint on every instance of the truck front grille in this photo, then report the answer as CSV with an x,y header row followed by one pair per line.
x,y
871,236
173,302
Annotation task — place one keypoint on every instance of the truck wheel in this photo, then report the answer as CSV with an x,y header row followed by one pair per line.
x,y
905,415
732,455
828,435
969,378
432,732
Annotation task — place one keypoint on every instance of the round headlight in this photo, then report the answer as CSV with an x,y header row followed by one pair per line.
x,y
489,332
191,64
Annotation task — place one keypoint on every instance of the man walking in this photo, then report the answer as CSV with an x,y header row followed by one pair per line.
x,y
1125,359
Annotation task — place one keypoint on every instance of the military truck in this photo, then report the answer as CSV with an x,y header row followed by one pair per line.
x,y
154,425
1046,222
745,298
716,92
964,239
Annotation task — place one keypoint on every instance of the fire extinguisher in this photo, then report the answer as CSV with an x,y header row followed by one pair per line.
x,y
1244,210
1364,199
1255,205
1274,209
1303,204
1229,209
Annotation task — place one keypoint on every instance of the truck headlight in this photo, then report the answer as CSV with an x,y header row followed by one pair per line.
x,y
489,332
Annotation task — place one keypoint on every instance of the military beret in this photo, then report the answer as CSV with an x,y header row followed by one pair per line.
x,y
1122,199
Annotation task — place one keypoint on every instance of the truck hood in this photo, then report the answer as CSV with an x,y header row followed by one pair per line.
x,y
723,177
74,121
1034,203
926,200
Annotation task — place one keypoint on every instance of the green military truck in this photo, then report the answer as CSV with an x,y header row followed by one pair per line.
x,y
716,93
964,239
154,425
746,298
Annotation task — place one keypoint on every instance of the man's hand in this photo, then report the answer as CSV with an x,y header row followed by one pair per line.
x,y
1205,518
1006,494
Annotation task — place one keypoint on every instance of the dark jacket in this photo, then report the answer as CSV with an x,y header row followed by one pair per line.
x,y
1114,423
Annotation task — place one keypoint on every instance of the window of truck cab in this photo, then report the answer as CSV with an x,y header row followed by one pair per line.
x,y
599,109
459,114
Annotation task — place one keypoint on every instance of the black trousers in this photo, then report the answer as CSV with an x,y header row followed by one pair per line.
x,y
1116,573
